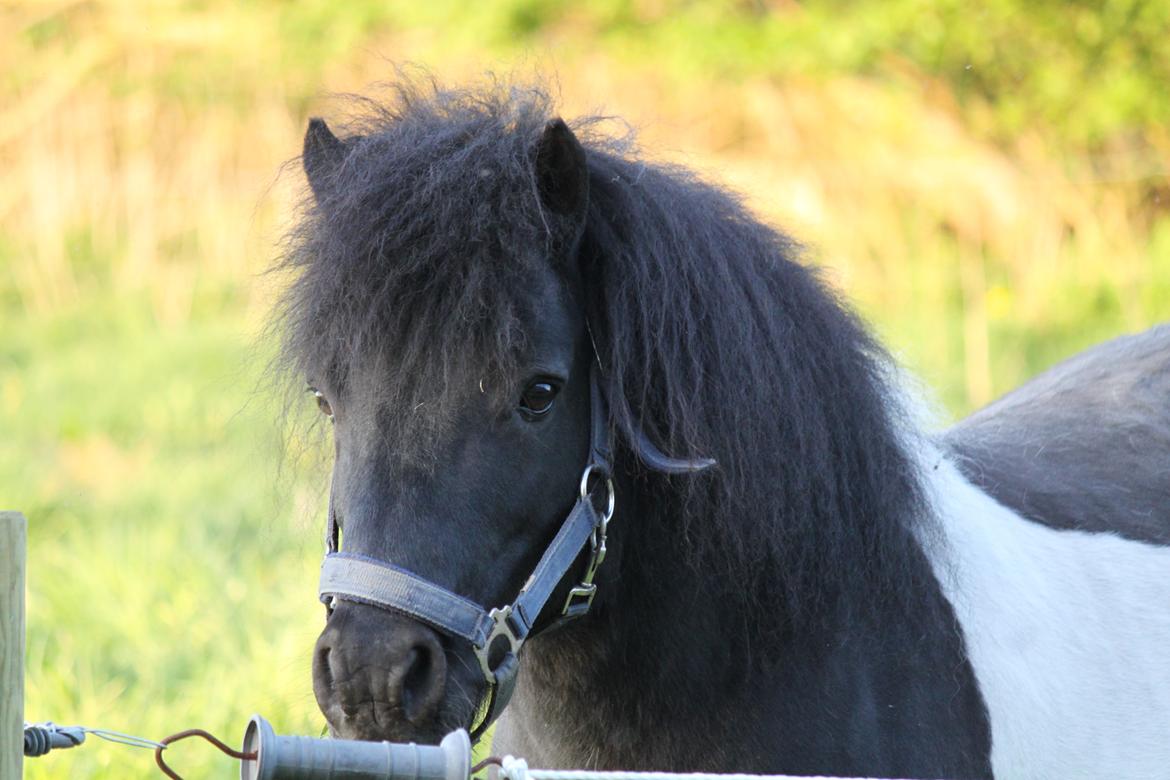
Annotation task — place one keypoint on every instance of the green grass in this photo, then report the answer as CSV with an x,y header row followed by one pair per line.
x,y
172,543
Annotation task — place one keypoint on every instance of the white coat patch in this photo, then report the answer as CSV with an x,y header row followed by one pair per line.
x,y
1068,633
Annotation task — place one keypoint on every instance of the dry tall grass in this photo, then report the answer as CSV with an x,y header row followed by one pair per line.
x,y
141,146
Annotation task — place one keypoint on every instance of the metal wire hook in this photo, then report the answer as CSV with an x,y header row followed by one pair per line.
x,y
167,741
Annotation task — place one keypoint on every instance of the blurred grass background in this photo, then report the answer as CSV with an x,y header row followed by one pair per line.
x,y
991,188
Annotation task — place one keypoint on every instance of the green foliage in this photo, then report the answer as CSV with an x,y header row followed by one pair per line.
x,y
1083,73
1086,74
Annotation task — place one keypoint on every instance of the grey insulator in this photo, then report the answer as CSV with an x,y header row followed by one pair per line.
x,y
40,738
305,758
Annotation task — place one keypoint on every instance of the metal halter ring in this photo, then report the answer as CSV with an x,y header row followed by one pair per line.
x,y
500,628
611,499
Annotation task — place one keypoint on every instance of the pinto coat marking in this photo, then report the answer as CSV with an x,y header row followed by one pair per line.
x,y
1054,510
1085,445
1069,636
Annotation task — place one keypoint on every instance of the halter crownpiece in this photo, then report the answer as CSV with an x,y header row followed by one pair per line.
x,y
499,633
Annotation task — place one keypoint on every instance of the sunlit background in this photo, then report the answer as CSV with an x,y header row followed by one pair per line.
x,y
988,186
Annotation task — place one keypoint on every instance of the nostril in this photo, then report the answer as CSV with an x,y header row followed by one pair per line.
x,y
322,669
422,680
412,681
324,678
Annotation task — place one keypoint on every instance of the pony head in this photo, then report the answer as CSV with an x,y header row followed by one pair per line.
x,y
464,262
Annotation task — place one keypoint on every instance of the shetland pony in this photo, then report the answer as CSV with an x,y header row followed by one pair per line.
x,y
842,593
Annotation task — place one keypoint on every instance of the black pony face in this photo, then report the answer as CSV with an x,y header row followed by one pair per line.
x,y
459,465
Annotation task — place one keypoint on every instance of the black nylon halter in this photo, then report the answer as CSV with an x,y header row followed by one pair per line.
x,y
499,633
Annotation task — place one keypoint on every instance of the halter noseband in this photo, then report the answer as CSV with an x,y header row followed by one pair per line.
x,y
365,580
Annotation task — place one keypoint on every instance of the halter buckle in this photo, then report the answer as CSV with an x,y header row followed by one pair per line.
x,y
580,597
579,600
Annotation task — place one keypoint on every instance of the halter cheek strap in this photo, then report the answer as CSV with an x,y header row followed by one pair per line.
x,y
498,634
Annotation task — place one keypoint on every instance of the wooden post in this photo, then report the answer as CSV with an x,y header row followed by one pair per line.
x,y
12,544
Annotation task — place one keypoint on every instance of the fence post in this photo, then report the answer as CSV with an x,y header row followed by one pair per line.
x,y
12,546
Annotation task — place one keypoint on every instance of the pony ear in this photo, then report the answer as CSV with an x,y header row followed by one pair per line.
x,y
322,154
561,172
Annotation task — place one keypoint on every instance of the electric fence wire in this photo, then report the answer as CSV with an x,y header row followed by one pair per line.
x,y
40,738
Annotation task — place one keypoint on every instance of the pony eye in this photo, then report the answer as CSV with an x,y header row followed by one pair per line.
x,y
322,404
537,399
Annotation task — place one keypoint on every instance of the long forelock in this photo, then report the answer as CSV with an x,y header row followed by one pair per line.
x,y
411,267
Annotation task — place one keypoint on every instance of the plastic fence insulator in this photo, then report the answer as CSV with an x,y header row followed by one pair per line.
x,y
40,738
305,758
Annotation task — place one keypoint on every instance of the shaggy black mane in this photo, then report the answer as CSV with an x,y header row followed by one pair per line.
x,y
711,335
418,248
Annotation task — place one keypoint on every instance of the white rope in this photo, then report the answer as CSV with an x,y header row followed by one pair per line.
x,y
513,768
